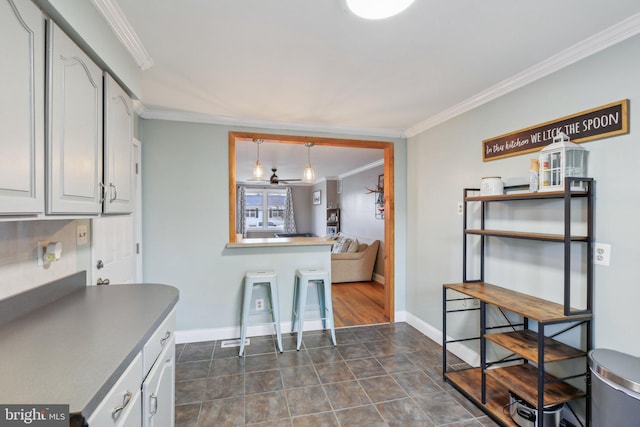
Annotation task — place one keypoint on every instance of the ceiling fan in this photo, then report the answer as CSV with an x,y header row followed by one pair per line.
x,y
275,180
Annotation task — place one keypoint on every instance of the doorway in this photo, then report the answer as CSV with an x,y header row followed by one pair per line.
x,y
389,224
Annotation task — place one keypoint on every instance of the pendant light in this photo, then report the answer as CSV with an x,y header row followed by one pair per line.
x,y
309,174
258,170
377,9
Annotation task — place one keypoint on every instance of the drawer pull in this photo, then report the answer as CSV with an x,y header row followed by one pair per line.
x,y
117,410
165,338
154,403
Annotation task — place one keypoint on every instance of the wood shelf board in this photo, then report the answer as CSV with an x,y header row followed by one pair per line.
x,y
523,235
523,381
525,196
525,344
469,382
534,308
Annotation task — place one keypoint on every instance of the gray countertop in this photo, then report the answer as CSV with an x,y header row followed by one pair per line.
x,y
73,350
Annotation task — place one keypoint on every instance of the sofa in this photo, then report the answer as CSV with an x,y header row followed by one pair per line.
x,y
353,266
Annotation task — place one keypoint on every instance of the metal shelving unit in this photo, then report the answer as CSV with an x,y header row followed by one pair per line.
x,y
524,371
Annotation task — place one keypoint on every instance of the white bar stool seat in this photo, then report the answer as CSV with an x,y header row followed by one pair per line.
x,y
252,279
304,278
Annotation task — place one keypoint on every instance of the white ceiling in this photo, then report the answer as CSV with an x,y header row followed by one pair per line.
x,y
312,65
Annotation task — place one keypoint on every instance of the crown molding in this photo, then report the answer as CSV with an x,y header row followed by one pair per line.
x,y
362,169
150,112
120,25
613,35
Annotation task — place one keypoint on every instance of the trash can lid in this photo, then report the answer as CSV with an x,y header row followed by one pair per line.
x,y
620,368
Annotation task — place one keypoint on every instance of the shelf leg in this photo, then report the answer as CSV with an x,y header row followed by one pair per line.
x,y
483,349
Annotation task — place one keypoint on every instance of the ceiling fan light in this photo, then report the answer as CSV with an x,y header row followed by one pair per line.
x,y
377,9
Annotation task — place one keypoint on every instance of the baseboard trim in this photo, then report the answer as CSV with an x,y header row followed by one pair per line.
x,y
233,332
463,352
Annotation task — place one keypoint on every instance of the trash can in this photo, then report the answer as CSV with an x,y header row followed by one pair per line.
x,y
615,389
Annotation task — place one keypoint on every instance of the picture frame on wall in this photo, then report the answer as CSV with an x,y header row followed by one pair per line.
x,y
316,197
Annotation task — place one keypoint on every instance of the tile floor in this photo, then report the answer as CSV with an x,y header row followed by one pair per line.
x,y
382,375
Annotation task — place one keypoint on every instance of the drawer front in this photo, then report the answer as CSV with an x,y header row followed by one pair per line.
x,y
160,338
123,400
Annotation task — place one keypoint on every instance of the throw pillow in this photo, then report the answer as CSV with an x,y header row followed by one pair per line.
x,y
353,247
341,246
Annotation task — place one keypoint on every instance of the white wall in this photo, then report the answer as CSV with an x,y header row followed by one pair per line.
x,y
19,270
185,225
447,158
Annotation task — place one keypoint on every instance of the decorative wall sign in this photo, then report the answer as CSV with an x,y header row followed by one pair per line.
x,y
601,122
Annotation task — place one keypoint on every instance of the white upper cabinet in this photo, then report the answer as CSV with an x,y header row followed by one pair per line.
x,y
74,121
21,108
118,148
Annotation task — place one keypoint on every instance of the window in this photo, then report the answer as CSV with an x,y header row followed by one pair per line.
x,y
260,201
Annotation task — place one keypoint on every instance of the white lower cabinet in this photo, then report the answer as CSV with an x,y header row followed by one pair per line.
x,y
158,390
121,407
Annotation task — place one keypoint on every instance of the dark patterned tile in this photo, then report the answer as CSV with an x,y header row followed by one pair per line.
x,y
293,358
307,400
299,376
260,346
265,407
227,412
195,353
224,387
487,422
396,363
442,408
347,394
285,422
381,348
424,359
262,382
353,351
362,416
367,334
324,355
381,389
416,383
403,412
344,336
227,366
334,372
363,368
325,419
192,370
187,415
313,340
190,391
222,353
261,362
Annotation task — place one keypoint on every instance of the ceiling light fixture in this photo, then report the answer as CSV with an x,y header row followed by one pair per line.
x,y
309,174
377,9
258,170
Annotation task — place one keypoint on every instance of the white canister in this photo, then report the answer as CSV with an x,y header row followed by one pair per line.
x,y
491,186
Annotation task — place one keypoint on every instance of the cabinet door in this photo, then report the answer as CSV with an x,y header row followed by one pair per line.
x,y
158,390
74,138
118,148
21,108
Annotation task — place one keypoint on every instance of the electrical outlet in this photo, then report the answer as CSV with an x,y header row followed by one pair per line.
x,y
460,208
602,254
259,304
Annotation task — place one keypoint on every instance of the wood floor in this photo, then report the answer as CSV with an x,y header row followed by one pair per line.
x,y
356,304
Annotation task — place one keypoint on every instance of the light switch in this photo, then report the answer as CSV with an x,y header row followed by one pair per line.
x,y
82,234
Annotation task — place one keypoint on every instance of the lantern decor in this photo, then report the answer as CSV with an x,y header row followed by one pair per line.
x,y
561,159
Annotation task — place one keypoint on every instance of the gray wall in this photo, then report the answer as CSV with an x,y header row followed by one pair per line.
x,y
358,210
447,158
185,224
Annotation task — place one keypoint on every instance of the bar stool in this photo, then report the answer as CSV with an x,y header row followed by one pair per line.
x,y
319,278
252,279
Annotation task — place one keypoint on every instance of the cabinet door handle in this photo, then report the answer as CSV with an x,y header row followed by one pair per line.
x,y
103,190
165,338
154,403
115,192
118,409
